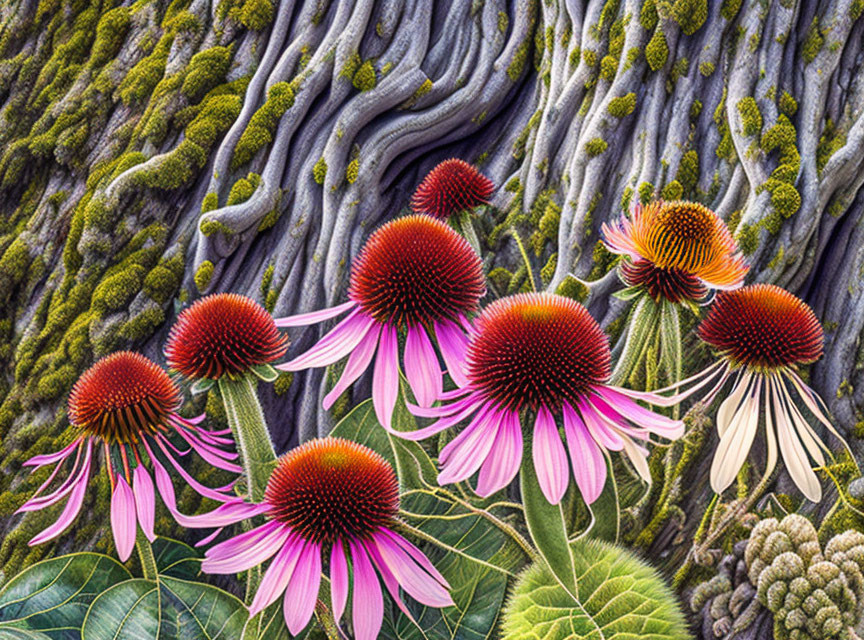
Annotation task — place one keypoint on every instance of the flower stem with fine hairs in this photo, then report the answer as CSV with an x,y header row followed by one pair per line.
x,y
525,259
145,555
249,428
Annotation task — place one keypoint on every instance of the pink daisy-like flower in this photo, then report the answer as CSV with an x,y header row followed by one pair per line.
x,y
676,250
762,333
542,355
327,500
415,274
129,405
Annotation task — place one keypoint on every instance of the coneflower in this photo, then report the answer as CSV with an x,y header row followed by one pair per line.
x,y
674,254
452,186
414,276
327,501
762,334
128,405
540,357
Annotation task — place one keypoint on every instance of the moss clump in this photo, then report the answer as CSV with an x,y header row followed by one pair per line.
x,y
608,67
729,9
570,287
788,105
243,189
255,14
282,383
622,106
748,238
813,41
262,124
211,227
830,142
517,64
784,197
725,148
690,14
117,291
547,272
657,51
648,15
595,146
110,34
143,324
203,275
210,202
142,79
673,191
161,283
319,171
706,68
352,171
646,192
206,70
751,117
688,170
365,78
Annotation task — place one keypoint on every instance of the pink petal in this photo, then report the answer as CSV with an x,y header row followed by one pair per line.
x,y
37,502
302,591
225,514
503,461
338,580
416,554
314,317
388,578
246,554
603,432
334,346
454,345
48,458
210,454
654,422
461,458
550,459
207,492
242,542
145,500
367,607
421,367
123,523
278,574
416,582
385,379
73,505
588,462
358,361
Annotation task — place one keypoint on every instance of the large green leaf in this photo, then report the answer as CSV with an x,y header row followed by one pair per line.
x,y
619,598
176,559
473,554
52,596
170,609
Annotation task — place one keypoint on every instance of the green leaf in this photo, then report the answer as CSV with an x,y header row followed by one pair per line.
x,y
605,510
641,329
52,596
619,598
473,554
201,386
176,559
8,633
629,293
165,610
266,372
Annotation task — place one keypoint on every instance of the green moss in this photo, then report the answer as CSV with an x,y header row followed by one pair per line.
x,y
255,14
646,192
206,70
633,54
210,202
831,141
690,14
517,64
748,238
695,109
729,9
856,9
751,117
547,272
788,105
116,292
777,259
140,83
785,173
143,324
706,68
211,227
365,79
282,384
672,191
589,57
784,197
648,15
110,34
161,283
352,171
595,146
243,189
203,275
350,66
319,171
608,67
813,41
657,51
622,106
262,124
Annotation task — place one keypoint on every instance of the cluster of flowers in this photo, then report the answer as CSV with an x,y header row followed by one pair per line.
x,y
520,367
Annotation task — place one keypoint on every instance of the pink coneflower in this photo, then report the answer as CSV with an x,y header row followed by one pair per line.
x,y
129,405
415,274
541,355
224,334
676,251
328,499
762,334
452,186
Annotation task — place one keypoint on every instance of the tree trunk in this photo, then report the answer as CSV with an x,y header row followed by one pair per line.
x,y
297,127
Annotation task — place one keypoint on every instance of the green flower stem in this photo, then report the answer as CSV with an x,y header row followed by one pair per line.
x,y
250,432
145,554
525,258
465,226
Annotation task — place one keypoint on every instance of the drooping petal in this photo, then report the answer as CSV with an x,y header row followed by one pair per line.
x,y
313,317
37,502
600,427
385,379
338,580
73,505
729,407
357,363
794,457
735,443
145,500
454,345
502,463
225,514
421,367
812,442
656,398
246,554
48,458
810,398
211,454
207,492
387,577
639,415
416,582
302,591
416,554
472,404
466,452
588,462
367,607
638,456
278,574
123,522
550,459
334,346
